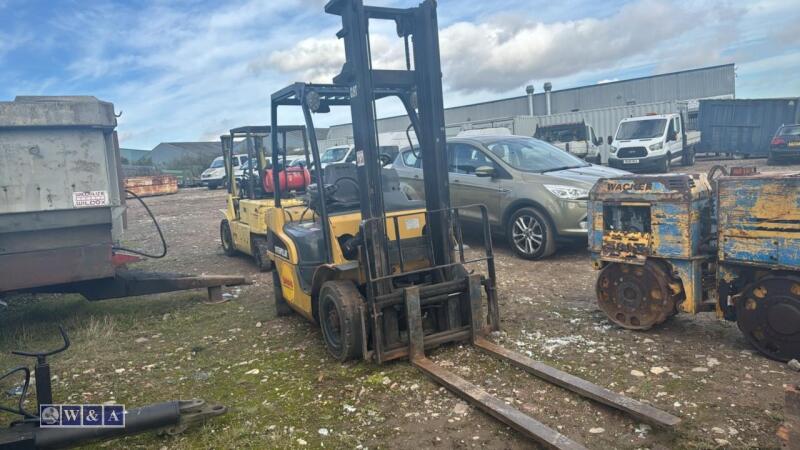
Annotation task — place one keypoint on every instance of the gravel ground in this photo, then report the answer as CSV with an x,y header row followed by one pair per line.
x,y
284,391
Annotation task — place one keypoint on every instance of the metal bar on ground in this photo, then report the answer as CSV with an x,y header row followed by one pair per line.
x,y
580,386
496,408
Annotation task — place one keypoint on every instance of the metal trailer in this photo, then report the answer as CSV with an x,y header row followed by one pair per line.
x,y
604,120
673,242
367,291
62,204
744,127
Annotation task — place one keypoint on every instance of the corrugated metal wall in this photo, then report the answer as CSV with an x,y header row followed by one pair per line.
x,y
692,84
744,126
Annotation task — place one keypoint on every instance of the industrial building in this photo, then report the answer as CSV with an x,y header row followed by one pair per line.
x,y
684,86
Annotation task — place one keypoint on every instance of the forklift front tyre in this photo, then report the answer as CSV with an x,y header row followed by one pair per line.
x,y
281,307
227,238
339,303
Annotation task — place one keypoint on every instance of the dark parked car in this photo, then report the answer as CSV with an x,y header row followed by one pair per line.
x,y
785,144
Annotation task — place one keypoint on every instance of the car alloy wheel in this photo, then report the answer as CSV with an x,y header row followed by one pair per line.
x,y
527,234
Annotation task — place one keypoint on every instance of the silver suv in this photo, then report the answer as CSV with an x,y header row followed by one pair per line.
x,y
535,192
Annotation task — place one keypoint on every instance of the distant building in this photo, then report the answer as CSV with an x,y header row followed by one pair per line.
x,y
134,156
167,153
687,85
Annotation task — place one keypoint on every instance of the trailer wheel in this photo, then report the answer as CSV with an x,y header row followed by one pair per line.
x,y
227,238
281,307
768,314
339,303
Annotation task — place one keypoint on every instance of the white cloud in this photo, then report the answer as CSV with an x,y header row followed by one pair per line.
x,y
504,53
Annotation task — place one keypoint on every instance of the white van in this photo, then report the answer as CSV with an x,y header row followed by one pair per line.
x,y
390,144
214,176
577,138
652,142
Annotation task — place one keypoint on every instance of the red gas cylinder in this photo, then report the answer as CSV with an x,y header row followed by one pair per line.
x,y
291,179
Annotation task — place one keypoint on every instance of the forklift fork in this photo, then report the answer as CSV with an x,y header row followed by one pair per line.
x,y
495,407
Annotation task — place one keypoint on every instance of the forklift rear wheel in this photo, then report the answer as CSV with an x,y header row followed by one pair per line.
x,y
339,303
259,254
768,314
281,307
227,238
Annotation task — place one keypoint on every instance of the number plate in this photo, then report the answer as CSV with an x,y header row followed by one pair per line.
x,y
630,161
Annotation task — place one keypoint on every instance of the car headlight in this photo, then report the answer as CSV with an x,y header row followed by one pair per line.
x,y
613,149
567,192
657,146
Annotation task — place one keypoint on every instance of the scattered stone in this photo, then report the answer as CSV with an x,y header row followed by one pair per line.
x,y
733,431
201,376
657,370
718,430
119,370
301,441
711,362
700,369
637,373
677,404
386,381
794,365
258,324
141,340
350,409
597,430
252,372
642,429
722,442
460,409
323,432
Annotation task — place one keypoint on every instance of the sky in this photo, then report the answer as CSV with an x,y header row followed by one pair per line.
x,y
189,70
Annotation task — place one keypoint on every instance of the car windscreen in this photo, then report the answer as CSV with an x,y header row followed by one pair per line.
x,y
533,155
217,163
562,133
641,129
793,130
334,154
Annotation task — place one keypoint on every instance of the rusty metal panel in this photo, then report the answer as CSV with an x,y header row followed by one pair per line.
x,y
789,431
148,186
759,220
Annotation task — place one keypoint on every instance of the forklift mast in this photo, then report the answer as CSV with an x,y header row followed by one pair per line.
x,y
424,78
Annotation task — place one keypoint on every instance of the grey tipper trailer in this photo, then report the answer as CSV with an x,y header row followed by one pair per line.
x,y
62,205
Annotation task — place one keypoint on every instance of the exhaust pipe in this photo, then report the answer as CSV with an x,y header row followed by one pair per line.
x,y
547,88
529,91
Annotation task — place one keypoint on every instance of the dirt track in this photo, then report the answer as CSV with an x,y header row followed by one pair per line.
x,y
174,345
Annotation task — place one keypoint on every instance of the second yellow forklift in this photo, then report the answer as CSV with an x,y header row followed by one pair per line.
x,y
244,228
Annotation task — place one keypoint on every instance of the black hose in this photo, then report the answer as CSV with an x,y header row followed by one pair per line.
x,y
158,228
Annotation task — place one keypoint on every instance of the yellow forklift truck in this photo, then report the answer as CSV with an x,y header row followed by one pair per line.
x,y
244,228
384,276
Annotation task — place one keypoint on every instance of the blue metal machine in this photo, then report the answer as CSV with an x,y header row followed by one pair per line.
x,y
675,242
